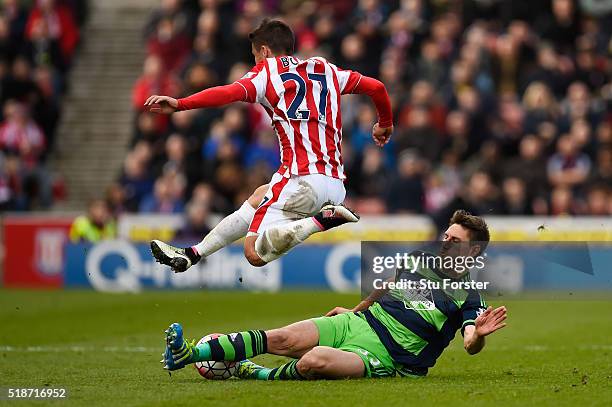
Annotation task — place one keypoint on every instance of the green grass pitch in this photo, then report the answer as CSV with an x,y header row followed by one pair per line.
x,y
105,350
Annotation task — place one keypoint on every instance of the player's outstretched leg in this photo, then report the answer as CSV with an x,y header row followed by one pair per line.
x,y
293,341
322,362
278,240
230,229
233,347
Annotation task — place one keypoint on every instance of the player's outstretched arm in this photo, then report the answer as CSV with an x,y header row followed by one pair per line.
x,y
212,97
375,89
485,324
374,296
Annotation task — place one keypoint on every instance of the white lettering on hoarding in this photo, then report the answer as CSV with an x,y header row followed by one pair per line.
x,y
337,277
223,270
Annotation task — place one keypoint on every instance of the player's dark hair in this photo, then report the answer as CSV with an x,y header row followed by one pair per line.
x,y
274,34
479,231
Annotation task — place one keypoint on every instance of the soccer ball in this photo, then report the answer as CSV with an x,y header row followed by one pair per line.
x,y
214,370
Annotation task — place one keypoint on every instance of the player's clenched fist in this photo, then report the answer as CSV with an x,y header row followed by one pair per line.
x,y
381,135
162,104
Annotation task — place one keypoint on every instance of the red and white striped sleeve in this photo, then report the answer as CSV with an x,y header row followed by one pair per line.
x,y
254,83
347,79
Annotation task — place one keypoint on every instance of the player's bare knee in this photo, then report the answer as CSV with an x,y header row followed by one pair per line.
x,y
251,255
257,196
313,361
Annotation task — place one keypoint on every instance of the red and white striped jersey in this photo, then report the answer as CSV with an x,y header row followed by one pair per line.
x,y
302,98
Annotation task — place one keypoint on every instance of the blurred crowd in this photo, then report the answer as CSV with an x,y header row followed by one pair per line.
x,y
38,40
501,107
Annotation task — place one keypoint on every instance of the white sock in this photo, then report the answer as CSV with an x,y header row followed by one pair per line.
x,y
278,240
230,229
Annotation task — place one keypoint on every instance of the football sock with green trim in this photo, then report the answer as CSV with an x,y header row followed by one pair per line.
x,y
233,347
288,371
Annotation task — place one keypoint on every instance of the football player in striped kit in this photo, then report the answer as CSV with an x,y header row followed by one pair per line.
x,y
305,195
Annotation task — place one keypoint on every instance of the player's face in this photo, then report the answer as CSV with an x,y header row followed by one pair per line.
x,y
455,241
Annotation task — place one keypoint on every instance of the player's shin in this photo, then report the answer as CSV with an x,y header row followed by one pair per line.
x,y
234,347
288,371
230,229
278,240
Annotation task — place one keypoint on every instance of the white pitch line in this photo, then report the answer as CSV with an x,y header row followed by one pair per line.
x,y
52,349
142,349
545,348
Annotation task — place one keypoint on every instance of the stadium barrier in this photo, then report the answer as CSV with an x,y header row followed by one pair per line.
x,y
38,254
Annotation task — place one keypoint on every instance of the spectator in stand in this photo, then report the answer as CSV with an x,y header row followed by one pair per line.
x,y
598,200
486,160
516,199
539,105
6,193
263,150
561,26
37,42
529,166
164,198
196,222
169,44
479,196
41,49
568,167
153,79
361,134
482,90
419,134
459,134
20,135
372,173
97,225
602,173
19,84
59,22
135,180
406,192
8,47
17,16
170,9
562,202
115,198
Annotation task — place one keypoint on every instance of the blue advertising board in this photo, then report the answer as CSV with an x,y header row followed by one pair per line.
x,y
119,265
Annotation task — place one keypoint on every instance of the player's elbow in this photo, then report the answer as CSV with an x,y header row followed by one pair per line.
x,y
370,86
251,254
253,258
378,86
471,350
